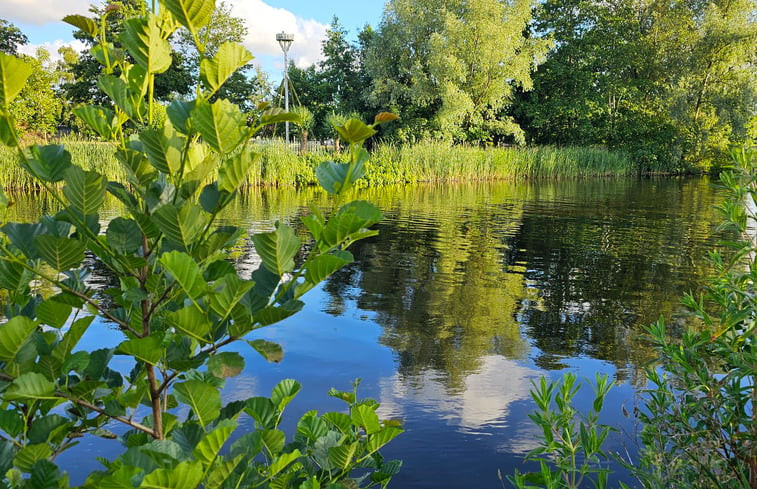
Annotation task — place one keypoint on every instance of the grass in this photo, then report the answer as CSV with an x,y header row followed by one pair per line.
x,y
389,164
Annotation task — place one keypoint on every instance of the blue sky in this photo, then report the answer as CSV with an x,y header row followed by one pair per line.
x,y
308,20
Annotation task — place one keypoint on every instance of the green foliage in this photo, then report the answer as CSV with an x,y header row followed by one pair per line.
x,y
570,452
699,419
177,301
670,83
449,68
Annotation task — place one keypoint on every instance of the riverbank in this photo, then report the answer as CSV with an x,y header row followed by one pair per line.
x,y
389,164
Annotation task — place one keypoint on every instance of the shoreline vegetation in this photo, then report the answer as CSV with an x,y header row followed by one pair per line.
x,y
390,164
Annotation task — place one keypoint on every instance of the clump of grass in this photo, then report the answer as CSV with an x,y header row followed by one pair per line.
x,y
389,164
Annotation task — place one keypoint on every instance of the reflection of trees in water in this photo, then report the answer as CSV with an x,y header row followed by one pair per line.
x,y
579,267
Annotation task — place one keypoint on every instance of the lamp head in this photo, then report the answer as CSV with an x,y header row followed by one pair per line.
x,y
285,40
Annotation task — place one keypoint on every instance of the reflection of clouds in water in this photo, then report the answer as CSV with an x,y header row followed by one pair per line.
x,y
240,387
483,402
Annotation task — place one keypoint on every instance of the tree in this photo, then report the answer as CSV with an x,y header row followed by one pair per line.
x,y
672,83
38,108
339,70
11,38
450,66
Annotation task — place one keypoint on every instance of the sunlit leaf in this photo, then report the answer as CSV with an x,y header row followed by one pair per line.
x,y
384,117
84,190
13,75
192,14
221,124
365,416
163,147
354,131
186,475
185,272
225,364
101,119
269,350
203,398
81,22
13,336
228,59
143,39
190,321
277,249
234,170
149,349
182,226
30,386
209,448
49,162
284,392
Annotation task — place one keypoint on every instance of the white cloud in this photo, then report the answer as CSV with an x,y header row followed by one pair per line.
x,y
41,12
264,21
52,48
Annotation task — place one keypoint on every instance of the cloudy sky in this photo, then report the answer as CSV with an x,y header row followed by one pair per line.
x,y
307,19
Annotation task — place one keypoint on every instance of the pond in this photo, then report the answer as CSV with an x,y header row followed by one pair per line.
x,y
467,295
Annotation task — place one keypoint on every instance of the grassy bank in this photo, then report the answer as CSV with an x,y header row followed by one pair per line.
x,y
389,164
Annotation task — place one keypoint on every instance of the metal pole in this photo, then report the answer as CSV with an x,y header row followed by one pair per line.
x,y
286,94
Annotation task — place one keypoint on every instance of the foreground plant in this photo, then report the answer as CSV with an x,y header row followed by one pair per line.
x,y
176,298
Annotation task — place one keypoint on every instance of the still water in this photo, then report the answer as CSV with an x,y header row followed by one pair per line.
x,y
468,294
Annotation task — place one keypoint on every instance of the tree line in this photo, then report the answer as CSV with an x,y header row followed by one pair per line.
x,y
671,82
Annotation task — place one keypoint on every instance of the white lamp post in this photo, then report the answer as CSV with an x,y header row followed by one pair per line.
x,y
285,41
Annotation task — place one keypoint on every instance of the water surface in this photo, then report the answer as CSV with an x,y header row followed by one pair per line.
x,y
468,294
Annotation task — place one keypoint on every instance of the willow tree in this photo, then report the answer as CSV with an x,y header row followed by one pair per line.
x,y
450,67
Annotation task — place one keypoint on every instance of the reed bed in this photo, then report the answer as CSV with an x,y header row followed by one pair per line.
x,y
389,164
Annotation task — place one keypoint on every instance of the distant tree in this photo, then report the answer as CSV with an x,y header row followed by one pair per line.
x,y
339,70
11,37
673,83
37,109
449,68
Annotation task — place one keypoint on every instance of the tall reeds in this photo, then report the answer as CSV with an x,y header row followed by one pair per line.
x,y
389,164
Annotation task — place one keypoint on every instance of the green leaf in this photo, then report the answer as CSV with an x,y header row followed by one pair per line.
x,y
60,253
192,14
354,131
140,172
365,416
11,422
46,475
221,472
262,410
48,163
227,292
53,313
149,350
274,314
275,115
191,321
142,37
30,386
273,441
13,336
336,178
101,119
13,75
13,276
185,271
352,218
179,113
182,226
230,57
233,171
342,456
282,461
186,475
270,351
84,190
43,428
221,124
124,235
163,148
203,398
7,131
208,449
84,23
30,455
71,338
284,392
119,92
322,266
226,364
277,249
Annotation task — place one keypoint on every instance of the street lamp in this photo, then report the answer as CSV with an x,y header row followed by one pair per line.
x,y
285,41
